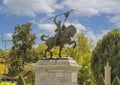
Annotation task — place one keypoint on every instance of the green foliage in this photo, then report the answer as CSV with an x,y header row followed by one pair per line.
x,y
15,68
21,80
23,41
20,54
40,51
116,81
107,48
29,77
6,83
100,81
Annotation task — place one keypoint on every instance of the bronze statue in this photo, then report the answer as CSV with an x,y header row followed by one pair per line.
x,y
63,36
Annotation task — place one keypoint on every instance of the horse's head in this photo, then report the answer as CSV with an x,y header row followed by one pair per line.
x,y
70,31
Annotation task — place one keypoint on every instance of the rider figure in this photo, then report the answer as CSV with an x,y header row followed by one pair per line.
x,y
58,30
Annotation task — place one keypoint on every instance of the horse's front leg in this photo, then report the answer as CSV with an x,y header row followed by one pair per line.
x,y
50,54
60,50
45,54
48,50
72,43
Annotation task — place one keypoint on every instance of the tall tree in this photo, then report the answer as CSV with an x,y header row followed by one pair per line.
x,y
23,41
82,55
107,49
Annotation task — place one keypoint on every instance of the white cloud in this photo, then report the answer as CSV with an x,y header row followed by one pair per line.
x,y
116,20
93,7
29,7
8,36
36,45
93,38
82,7
47,28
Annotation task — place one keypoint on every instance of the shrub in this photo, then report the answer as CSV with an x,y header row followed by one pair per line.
x,y
21,80
100,81
116,81
28,77
6,83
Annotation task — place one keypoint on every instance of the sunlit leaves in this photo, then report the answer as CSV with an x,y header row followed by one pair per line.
x,y
3,69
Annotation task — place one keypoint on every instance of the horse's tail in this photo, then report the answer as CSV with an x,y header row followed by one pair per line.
x,y
43,37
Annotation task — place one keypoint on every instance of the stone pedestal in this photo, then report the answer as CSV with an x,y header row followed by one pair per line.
x,y
107,74
56,72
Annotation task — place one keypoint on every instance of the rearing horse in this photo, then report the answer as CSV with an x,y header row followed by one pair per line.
x,y
65,38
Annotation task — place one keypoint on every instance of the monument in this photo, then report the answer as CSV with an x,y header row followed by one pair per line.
x,y
63,36
107,74
57,71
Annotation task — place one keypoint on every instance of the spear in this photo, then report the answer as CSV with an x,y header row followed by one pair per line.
x,y
65,13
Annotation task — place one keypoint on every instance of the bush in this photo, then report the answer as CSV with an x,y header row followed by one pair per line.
x,y
116,81
28,77
21,80
100,81
6,83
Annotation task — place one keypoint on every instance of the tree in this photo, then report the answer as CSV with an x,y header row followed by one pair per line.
x,y
23,42
36,53
29,77
100,81
21,80
82,55
116,81
107,49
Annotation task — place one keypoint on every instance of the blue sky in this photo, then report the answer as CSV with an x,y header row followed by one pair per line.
x,y
94,17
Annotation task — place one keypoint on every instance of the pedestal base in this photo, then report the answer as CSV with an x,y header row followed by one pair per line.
x,y
56,72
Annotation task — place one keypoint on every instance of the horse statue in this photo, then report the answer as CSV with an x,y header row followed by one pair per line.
x,y
65,38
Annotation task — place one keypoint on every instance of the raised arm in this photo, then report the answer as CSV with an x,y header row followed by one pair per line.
x,y
55,20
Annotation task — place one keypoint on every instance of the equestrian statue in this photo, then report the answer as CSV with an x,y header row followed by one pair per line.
x,y
63,36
